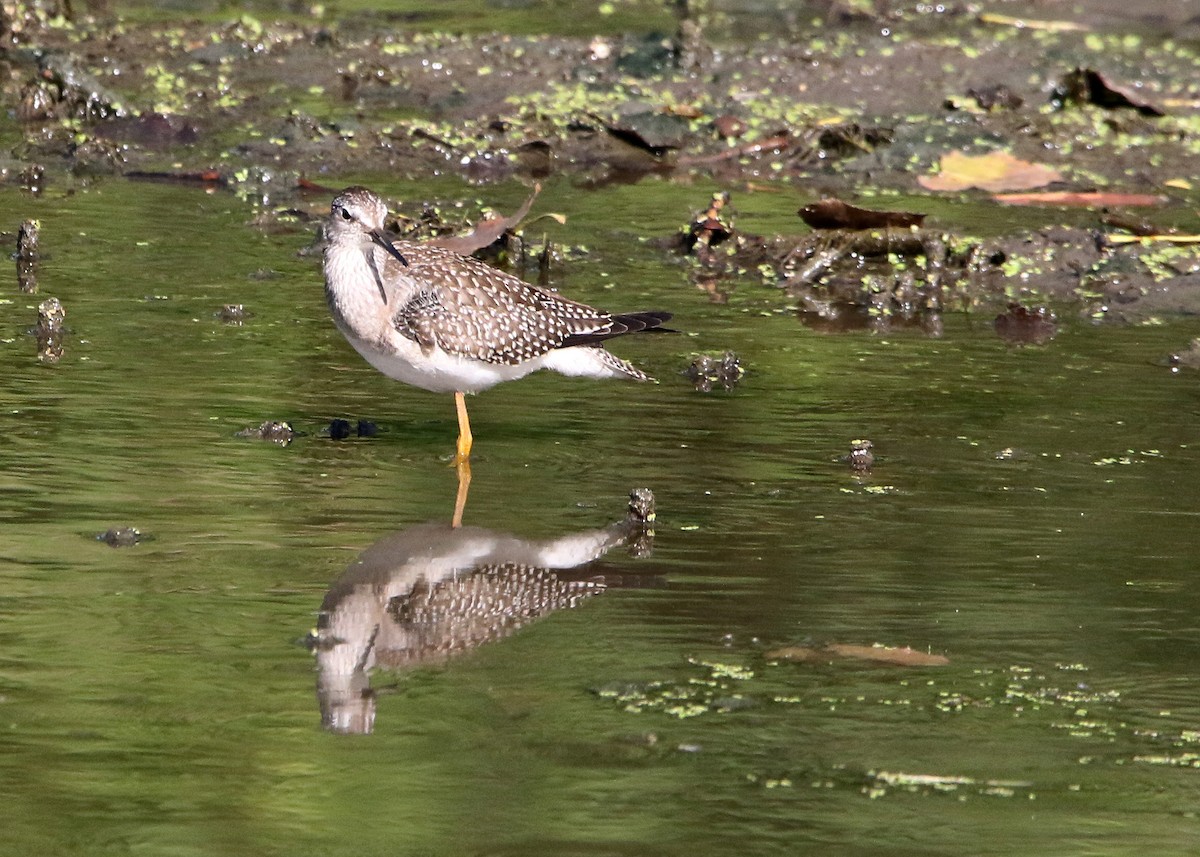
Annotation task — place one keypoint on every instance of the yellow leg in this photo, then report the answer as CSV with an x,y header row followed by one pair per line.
x,y
464,428
460,501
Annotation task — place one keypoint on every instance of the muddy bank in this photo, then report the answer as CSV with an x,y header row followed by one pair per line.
x,y
857,101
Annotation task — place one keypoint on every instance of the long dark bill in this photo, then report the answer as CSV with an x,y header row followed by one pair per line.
x,y
379,239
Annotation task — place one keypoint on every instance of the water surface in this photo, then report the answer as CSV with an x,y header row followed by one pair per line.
x,y
1031,517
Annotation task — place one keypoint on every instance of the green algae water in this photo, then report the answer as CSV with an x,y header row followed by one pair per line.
x,y
1030,518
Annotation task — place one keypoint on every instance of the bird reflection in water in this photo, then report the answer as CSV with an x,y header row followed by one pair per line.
x,y
429,592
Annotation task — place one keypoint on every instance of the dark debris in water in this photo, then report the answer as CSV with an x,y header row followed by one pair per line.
x,y
639,523
49,330
995,96
862,456
830,213
28,255
1186,358
641,506
707,372
1025,326
340,429
120,537
32,179
903,656
1088,86
708,228
275,431
233,314
849,276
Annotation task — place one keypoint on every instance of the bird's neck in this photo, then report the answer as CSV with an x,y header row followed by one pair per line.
x,y
353,286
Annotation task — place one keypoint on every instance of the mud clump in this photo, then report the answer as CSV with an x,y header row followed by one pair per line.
x,y
861,457
826,107
49,330
1185,358
275,431
120,537
27,256
1023,326
233,314
707,372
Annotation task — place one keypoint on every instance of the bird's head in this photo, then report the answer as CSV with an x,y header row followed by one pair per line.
x,y
359,213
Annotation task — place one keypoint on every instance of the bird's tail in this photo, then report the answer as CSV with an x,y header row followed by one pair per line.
x,y
619,368
591,361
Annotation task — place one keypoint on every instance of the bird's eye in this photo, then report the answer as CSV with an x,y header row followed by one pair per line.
x,y
346,215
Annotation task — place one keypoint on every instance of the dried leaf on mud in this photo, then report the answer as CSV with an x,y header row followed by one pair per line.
x,y
995,171
1152,239
487,231
900,656
773,143
1079,199
1032,24
830,213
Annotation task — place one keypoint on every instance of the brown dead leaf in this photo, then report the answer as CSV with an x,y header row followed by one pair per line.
x,y
995,171
310,186
687,111
729,126
1152,239
1123,222
773,143
900,656
797,654
486,231
830,213
1079,199
1033,24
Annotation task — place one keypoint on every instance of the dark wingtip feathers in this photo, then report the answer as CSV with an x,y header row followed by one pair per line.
x,y
633,322
630,322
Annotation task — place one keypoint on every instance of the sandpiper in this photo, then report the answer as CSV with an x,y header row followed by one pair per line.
x,y
448,323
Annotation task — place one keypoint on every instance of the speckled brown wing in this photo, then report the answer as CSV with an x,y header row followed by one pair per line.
x,y
466,307
469,609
